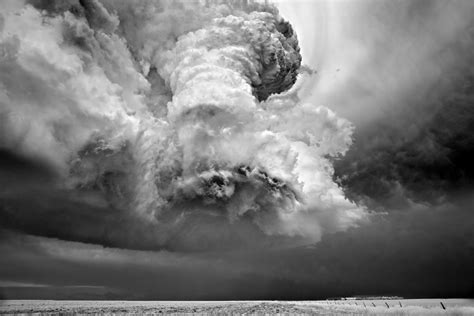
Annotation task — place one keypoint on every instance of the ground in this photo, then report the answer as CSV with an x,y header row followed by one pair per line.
x,y
352,307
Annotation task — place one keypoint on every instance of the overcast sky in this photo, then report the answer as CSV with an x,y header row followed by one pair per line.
x,y
392,173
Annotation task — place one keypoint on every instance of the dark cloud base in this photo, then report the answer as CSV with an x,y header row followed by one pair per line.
x,y
33,202
411,253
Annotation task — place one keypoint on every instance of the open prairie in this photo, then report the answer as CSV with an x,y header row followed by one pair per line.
x,y
395,307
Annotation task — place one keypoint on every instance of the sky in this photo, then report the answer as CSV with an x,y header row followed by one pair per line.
x,y
159,150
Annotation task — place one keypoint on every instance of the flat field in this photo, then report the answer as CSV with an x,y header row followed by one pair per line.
x,y
356,307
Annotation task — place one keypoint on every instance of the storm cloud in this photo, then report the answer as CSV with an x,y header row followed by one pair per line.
x,y
153,119
187,149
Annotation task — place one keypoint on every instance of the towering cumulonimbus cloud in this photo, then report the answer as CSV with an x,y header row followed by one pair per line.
x,y
173,110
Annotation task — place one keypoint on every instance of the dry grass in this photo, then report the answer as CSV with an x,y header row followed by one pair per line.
x,y
409,307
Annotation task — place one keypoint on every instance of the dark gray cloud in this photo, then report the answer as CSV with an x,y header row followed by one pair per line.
x,y
416,144
415,253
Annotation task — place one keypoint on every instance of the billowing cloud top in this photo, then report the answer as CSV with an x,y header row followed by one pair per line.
x,y
171,113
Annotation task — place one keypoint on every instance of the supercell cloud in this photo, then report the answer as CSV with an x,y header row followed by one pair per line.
x,y
154,149
168,121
